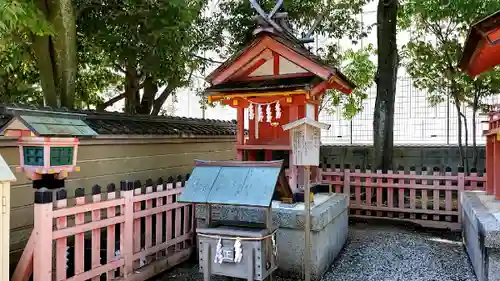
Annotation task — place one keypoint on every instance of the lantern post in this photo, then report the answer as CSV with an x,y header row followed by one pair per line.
x,y
305,137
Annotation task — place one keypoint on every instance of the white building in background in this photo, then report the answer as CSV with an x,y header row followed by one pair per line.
x,y
416,122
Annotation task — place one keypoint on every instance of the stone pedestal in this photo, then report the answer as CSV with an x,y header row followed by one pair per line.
x,y
329,216
481,233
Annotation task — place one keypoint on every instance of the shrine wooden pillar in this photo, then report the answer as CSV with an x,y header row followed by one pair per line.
x,y
268,155
293,114
240,133
490,164
496,166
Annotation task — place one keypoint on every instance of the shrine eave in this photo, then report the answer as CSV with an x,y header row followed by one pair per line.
x,y
482,48
283,84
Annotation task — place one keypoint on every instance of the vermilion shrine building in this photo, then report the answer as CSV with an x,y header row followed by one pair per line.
x,y
482,53
275,80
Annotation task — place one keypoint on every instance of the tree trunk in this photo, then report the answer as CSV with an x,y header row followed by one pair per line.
x,y
466,147
474,143
64,49
460,143
56,54
41,48
383,117
148,96
131,90
158,103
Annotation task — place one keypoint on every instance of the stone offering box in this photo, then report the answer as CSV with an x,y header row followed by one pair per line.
x,y
329,229
238,249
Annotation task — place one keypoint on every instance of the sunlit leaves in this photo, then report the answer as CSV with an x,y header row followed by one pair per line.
x,y
358,67
438,31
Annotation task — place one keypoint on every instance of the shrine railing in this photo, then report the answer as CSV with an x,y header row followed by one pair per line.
x,y
430,199
130,234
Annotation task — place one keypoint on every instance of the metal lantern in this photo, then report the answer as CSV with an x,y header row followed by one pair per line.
x,y
48,143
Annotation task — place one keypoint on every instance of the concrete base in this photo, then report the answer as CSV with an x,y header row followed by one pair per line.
x,y
329,229
481,233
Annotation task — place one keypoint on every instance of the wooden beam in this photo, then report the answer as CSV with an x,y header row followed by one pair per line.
x,y
276,63
300,60
240,62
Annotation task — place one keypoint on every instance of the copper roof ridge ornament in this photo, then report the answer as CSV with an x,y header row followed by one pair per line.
x,y
278,22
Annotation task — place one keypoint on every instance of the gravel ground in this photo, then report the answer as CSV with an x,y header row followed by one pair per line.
x,y
381,253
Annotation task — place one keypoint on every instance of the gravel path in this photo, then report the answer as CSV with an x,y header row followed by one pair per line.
x,y
382,253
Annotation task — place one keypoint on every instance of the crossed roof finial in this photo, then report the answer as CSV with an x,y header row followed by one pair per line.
x,y
278,21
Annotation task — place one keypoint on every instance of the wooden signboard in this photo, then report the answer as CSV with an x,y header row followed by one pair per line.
x,y
305,134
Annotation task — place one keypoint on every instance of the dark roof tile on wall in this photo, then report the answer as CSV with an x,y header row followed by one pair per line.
x,y
115,123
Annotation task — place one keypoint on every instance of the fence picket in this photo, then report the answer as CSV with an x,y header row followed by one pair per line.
x,y
436,199
159,218
379,193
448,199
390,195
149,219
401,193
96,233
178,217
79,250
111,231
61,243
169,220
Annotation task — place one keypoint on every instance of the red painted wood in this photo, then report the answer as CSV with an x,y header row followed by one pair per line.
x,y
436,198
79,239
339,188
276,63
357,190
96,238
268,155
178,218
280,76
61,243
254,67
319,88
390,195
401,194
496,169
298,59
111,236
448,199
379,193
220,75
137,225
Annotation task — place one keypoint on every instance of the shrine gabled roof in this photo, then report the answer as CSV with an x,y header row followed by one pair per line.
x,y
49,123
291,83
246,183
306,121
482,48
296,47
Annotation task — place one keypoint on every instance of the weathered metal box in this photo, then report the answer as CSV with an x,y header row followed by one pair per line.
x,y
258,248
240,249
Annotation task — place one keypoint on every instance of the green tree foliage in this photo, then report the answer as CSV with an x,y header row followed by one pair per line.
x,y
152,44
357,65
438,31
339,20
48,28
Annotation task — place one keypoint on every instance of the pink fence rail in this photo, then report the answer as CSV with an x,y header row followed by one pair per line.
x,y
130,234
430,199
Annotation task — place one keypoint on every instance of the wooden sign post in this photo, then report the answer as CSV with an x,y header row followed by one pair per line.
x,y
305,138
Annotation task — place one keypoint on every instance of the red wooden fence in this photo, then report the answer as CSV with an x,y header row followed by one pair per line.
x,y
430,199
132,234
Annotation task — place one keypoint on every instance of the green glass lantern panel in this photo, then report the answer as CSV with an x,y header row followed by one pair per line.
x,y
33,155
61,156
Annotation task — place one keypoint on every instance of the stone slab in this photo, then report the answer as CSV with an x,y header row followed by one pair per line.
x,y
481,233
